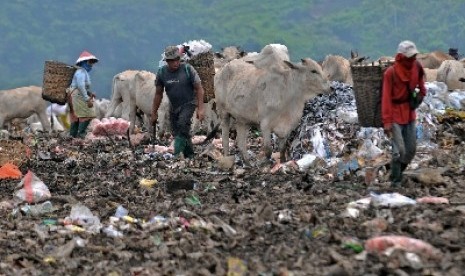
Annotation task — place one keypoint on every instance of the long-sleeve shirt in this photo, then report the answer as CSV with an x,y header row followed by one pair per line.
x,y
81,81
395,106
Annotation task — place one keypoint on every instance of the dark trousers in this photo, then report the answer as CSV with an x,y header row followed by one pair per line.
x,y
404,146
79,129
181,121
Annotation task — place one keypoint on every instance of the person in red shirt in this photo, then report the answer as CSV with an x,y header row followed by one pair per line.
x,y
400,79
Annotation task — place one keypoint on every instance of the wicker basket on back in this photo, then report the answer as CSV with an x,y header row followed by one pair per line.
x,y
204,65
57,77
368,82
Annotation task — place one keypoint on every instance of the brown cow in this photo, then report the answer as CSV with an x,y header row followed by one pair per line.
x,y
433,60
337,68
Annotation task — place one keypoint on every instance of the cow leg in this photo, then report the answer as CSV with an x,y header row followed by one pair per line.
x,y
147,123
282,149
267,142
132,117
44,121
2,121
225,119
242,134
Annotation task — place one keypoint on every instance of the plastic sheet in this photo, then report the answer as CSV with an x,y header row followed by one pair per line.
x,y
33,189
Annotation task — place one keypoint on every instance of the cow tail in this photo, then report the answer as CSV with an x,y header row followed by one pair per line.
x,y
113,100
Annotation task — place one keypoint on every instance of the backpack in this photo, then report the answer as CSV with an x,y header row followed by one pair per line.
x,y
162,69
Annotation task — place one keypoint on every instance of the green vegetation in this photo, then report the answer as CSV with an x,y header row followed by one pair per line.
x,y
132,34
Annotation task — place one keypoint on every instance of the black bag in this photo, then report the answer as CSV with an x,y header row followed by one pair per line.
x,y
415,98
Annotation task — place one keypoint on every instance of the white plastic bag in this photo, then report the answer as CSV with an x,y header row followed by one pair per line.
x,y
318,143
82,216
368,151
391,200
33,189
306,161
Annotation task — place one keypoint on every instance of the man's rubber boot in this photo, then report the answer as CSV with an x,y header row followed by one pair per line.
x,y
189,150
73,129
396,174
403,167
179,145
82,130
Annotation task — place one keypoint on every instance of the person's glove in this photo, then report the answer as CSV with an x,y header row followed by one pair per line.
x,y
388,130
462,79
90,103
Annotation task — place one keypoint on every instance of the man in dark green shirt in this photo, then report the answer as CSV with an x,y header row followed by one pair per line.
x,y
185,92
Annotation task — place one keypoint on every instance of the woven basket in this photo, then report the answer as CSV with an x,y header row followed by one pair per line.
x,y
368,81
57,77
12,151
203,64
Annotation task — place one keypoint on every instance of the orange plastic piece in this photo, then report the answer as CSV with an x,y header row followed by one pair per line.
x,y
10,171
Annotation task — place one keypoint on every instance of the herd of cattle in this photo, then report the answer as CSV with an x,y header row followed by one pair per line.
x,y
264,89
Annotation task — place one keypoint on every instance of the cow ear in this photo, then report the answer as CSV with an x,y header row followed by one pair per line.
x,y
290,64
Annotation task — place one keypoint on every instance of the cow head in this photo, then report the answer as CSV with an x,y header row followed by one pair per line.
x,y
310,75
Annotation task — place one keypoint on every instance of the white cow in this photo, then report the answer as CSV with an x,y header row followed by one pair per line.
x,y
121,93
21,103
123,99
142,96
450,72
272,97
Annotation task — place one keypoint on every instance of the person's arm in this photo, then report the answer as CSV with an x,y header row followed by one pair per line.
x,y
156,103
81,84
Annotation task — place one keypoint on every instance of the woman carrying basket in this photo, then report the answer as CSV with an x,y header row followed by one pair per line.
x,y
81,100
403,91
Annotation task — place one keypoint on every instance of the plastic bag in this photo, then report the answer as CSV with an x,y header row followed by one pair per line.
x,y
318,143
306,161
82,216
391,200
34,190
368,151
383,243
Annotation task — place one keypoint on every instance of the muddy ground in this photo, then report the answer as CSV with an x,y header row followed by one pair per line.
x,y
214,222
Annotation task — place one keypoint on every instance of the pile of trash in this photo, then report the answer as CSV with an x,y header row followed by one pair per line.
x,y
329,128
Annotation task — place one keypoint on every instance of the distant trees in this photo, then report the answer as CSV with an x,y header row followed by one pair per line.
x,y
132,35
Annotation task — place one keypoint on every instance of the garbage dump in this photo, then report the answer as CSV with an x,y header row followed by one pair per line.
x,y
118,208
